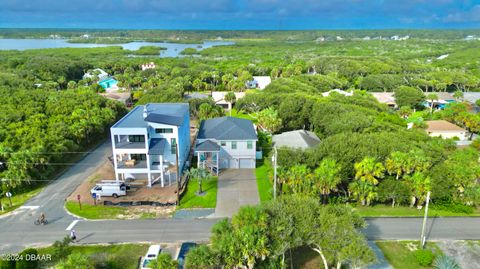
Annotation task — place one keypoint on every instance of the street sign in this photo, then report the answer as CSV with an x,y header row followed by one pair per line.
x,y
9,195
79,204
94,195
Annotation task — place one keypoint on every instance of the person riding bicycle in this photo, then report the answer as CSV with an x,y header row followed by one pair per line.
x,y
42,218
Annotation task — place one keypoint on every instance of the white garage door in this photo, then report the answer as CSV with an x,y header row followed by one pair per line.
x,y
246,163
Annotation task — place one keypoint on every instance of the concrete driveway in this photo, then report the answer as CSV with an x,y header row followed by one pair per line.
x,y
236,188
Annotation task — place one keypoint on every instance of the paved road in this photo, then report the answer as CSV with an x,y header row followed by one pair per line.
x,y
17,230
236,188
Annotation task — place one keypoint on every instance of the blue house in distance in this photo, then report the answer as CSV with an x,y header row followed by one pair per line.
x,y
144,142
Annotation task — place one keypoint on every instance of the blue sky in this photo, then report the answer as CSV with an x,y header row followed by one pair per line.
x,y
240,14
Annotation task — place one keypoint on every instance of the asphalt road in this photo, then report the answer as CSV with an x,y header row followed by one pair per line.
x,y
17,230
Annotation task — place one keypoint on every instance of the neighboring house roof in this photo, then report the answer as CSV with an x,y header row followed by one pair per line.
x,y
350,93
262,81
166,113
123,97
196,95
444,96
219,97
384,97
442,126
227,128
296,139
471,97
101,74
157,146
207,145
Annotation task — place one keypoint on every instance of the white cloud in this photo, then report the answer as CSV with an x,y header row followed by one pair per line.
x,y
472,15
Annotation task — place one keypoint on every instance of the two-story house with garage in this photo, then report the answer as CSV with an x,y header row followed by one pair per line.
x,y
144,142
226,142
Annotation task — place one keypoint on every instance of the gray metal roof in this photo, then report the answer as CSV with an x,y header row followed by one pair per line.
x,y
207,145
164,119
471,97
166,113
157,146
227,128
296,139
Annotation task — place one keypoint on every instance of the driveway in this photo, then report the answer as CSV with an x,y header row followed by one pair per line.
x,y
236,188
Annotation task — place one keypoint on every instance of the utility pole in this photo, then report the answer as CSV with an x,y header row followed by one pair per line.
x,y
422,238
274,160
178,175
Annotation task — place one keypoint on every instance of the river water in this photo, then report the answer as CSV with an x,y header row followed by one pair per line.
x,y
172,49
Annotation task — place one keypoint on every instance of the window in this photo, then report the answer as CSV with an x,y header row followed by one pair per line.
x,y
164,131
136,138
249,145
173,143
138,157
223,143
234,144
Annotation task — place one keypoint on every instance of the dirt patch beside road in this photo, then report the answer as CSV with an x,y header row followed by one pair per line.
x,y
138,192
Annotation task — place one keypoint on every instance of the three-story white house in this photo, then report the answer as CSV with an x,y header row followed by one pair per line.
x,y
226,142
144,142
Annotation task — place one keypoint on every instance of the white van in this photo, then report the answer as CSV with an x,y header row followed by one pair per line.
x,y
109,189
151,255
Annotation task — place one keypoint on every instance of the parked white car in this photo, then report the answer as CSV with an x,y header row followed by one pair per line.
x,y
109,189
151,255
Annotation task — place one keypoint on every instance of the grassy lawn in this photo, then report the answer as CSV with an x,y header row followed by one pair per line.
x,y
95,212
400,256
117,256
18,200
191,200
405,211
265,188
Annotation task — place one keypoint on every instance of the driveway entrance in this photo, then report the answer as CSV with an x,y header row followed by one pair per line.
x,y
236,188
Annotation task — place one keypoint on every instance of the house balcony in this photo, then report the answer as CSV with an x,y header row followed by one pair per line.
x,y
130,145
132,164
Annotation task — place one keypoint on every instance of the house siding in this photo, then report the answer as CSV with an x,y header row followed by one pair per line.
x,y
230,158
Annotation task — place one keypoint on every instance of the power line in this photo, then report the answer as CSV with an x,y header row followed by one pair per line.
x,y
33,163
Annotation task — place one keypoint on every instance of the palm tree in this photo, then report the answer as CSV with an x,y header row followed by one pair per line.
x,y
327,177
363,191
230,98
199,174
269,120
282,178
432,97
458,95
419,185
395,164
368,170
298,178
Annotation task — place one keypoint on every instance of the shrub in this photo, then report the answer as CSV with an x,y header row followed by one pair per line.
x,y
445,262
10,264
424,257
75,261
61,249
26,262
452,206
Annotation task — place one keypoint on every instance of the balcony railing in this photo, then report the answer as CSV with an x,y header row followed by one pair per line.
x,y
132,164
130,145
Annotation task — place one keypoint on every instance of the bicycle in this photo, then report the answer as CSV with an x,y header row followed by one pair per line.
x,y
38,222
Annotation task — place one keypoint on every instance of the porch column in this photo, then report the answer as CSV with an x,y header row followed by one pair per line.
x,y
198,159
217,162
149,172
161,169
